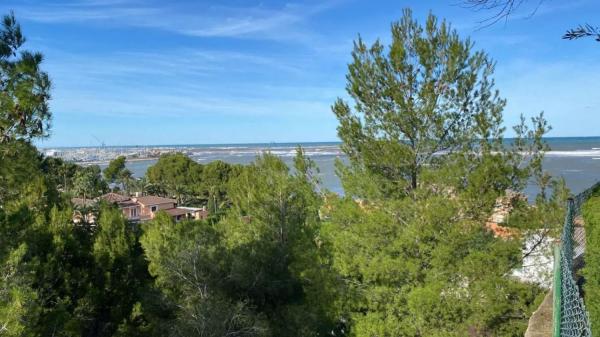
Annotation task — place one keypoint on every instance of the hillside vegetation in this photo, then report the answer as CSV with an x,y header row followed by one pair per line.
x,y
404,252
591,270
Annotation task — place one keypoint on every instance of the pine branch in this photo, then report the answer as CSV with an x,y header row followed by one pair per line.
x,y
503,9
582,31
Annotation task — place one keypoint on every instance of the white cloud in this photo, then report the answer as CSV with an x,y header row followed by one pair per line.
x,y
169,64
260,22
177,104
186,82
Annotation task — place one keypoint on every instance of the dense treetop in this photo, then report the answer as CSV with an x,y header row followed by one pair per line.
x,y
427,93
24,87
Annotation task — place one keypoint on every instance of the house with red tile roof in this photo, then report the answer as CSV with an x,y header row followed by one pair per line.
x,y
144,208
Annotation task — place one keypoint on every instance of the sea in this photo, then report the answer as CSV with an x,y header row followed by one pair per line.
x,y
576,159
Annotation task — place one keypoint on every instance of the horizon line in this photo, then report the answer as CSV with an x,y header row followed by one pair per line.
x,y
249,143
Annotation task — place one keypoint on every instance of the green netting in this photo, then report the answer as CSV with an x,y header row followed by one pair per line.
x,y
574,320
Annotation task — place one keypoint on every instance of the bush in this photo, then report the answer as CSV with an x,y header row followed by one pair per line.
x,y
591,271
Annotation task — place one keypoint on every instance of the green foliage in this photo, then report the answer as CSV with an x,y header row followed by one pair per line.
x,y
427,93
65,280
60,173
548,213
58,278
414,268
37,248
591,271
283,258
143,186
177,175
257,272
17,298
271,233
116,172
24,87
114,169
214,182
20,172
428,158
189,265
120,276
88,182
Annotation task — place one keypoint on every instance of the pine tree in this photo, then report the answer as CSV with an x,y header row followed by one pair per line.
x,y
271,233
427,160
428,93
25,88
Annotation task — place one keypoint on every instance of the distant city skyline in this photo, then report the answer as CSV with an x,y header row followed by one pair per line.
x,y
46,146
129,72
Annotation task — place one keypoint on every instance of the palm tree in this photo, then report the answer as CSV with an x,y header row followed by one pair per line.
x,y
126,179
83,184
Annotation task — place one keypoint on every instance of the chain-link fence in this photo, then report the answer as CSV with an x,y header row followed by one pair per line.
x,y
571,318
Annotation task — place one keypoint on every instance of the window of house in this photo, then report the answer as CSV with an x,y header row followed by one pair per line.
x,y
133,212
153,208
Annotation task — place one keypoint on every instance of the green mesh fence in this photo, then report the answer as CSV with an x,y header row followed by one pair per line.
x,y
573,320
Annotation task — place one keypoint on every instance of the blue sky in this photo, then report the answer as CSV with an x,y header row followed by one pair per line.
x,y
181,72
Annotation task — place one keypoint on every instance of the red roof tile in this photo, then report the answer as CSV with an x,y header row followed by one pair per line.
x,y
154,200
114,197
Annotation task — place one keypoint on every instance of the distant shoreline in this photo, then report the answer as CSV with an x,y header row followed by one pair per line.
x,y
267,144
101,162
573,147
287,144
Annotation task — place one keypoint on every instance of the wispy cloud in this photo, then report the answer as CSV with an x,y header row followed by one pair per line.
x,y
185,62
175,105
193,19
185,82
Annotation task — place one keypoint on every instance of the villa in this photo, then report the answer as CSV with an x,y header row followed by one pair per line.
x,y
144,208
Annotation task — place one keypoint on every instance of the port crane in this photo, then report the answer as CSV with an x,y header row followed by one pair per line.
x,y
99,141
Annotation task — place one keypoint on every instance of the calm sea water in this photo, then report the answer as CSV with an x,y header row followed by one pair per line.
x,y
575,159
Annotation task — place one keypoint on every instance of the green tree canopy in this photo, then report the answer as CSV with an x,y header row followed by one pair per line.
x,y
190,266
271,234
213,188
19,168
428,159
24,87
411,257
116,172
57,278
176,173
591,270
88,182
60,173
120,277
256,272
428,93
114,169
